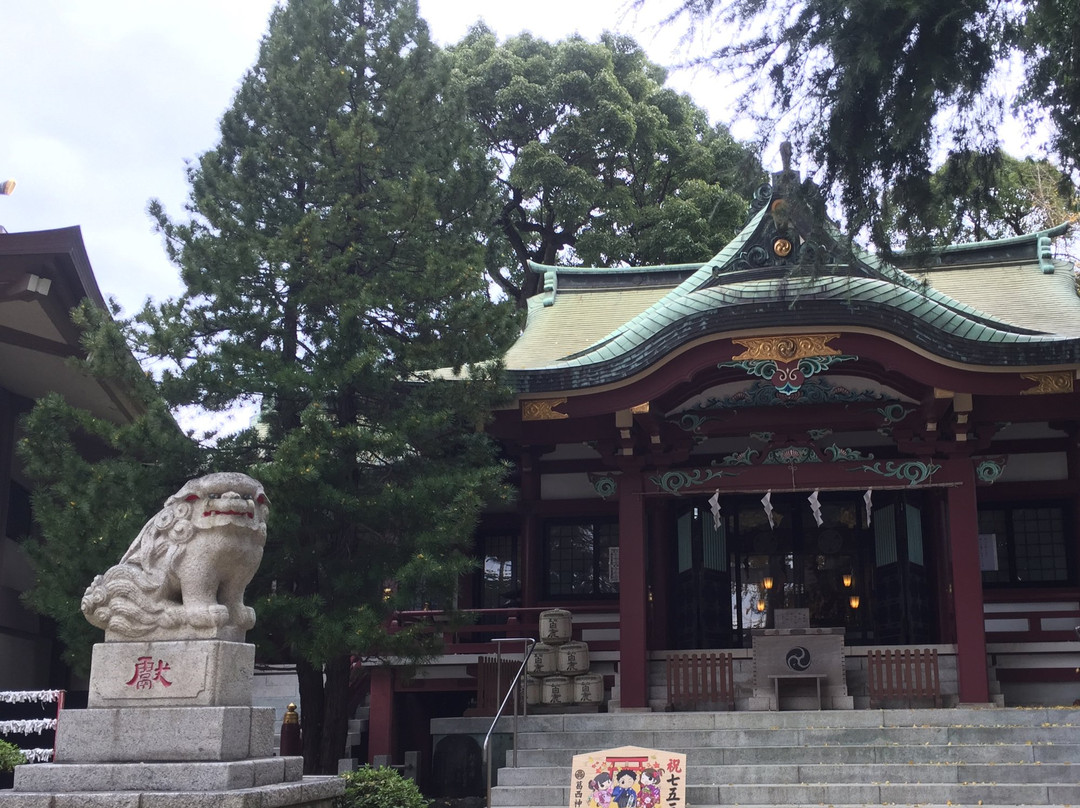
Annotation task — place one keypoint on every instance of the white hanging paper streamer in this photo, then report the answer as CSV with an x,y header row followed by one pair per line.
x,y
815,507
37,755
766,501
868,499
22,696
714,506
27,726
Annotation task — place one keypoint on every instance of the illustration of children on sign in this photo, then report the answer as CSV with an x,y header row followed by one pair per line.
x,y
601,786
628,777
649,792
625,793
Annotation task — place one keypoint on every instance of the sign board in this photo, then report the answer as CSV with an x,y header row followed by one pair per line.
x,y
628,777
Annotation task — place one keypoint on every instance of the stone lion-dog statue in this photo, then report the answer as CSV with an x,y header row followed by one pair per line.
x,y
184,575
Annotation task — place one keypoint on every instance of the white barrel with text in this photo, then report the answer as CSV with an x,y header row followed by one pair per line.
x,y
573,658
557,690
543,660
588,688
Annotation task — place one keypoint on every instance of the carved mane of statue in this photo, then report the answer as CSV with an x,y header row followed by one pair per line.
x,y
184,575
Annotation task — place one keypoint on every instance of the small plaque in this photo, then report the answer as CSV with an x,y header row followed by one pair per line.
x,y
791,618
628,776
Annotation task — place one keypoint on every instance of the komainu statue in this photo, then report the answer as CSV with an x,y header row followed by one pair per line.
x,y
184,575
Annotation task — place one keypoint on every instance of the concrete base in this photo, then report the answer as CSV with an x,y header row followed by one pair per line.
x,y
191,673
60,778
311,792
177,734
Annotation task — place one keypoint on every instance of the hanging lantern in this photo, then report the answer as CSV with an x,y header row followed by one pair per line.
x,y
854,601
767,582
761,604
847,579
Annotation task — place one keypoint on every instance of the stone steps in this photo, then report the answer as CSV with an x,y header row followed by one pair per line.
x,y
965,756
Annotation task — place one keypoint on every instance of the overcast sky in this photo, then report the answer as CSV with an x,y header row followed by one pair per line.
x,y
103,102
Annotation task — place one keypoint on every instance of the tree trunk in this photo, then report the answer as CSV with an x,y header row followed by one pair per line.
x,y
335,712
312,701
324,698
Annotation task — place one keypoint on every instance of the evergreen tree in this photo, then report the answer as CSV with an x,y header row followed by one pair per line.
x,y
976,196
601,164
873,92
331,260
96,482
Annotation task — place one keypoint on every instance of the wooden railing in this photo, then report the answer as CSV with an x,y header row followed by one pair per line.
x,y
476,629
700,682
905,674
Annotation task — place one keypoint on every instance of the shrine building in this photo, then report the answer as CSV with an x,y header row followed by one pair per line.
x,y
887,451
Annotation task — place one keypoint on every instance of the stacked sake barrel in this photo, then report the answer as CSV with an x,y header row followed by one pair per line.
x,y
559,667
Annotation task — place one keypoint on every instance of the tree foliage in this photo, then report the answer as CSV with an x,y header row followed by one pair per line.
x,y
976,196
874,92
331,260
601,164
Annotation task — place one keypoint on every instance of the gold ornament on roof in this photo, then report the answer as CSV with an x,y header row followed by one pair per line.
x,y
1048,383
787,348
542,409
782,247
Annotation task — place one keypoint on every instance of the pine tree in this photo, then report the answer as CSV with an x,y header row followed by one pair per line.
x,y
331,260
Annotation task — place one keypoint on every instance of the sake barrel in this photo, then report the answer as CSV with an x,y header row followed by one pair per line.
x,y
533,689
588,688
543,660
556,690
554,626
572,658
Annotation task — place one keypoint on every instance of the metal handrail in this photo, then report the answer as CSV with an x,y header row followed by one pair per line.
x,y
511,691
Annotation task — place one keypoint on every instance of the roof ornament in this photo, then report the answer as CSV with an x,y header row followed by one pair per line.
x,y
786,180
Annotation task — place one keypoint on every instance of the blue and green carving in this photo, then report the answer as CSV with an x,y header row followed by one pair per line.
x,y
914,471
743,458
818,434
988,469
674,481
791,456
691,422
606,486
894,413
787,378
763,394
838,455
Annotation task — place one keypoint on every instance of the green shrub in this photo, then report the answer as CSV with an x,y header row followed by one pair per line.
x,y
379,788
10,756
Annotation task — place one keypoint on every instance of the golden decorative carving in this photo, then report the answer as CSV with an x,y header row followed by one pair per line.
x,y
542,409
1047,383
786,349
641,409
782,247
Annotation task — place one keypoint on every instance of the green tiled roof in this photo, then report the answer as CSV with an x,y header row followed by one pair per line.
x,y
594,326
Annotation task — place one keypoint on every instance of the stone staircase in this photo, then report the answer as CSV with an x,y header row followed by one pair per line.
x,y
961,756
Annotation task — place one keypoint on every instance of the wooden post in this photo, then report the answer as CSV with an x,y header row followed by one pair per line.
x,y
633,595
381,715
967,587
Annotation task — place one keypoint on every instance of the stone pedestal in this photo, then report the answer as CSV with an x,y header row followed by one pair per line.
x,y
169,725
800,668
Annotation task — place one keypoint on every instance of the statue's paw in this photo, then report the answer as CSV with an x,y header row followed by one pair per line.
x,y
208,616
243,617
219,615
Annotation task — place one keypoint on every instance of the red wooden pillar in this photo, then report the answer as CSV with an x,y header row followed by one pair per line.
x,y
530,550
633,595
967,588
381,714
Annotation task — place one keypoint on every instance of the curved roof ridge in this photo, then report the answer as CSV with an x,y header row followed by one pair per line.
x,y
934,308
